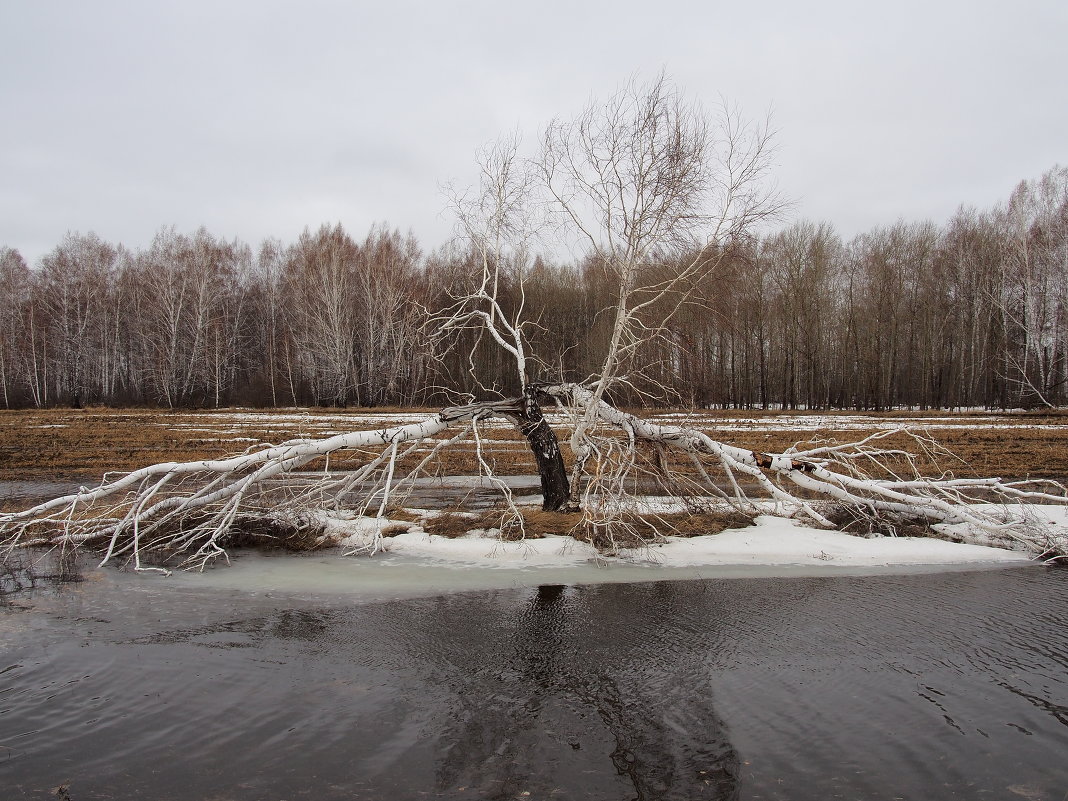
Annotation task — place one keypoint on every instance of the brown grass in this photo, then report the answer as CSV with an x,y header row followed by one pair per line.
x,y
81,444
400,513
848,520
455,524
536,523
631,530
687,524
539,523
258,532
635,531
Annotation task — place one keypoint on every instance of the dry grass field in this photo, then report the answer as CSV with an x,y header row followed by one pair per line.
x,y
83,444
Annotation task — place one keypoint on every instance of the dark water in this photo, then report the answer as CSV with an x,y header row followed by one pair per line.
x,y
426,494
925,686
33,491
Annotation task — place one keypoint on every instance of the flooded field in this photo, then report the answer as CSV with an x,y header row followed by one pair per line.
x,y
286,677
926,685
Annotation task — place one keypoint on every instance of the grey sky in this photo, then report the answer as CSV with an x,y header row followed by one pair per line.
x,y
259,118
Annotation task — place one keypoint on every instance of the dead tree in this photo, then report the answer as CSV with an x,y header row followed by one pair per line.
x,y
658,192
190,508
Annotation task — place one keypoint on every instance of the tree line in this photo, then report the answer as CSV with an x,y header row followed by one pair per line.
x,y
973,313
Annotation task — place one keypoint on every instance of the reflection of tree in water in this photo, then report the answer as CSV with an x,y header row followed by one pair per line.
x,y
288,624
546,718
302,624
540,636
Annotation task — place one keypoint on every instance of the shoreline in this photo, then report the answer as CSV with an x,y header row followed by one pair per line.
x,y
416,565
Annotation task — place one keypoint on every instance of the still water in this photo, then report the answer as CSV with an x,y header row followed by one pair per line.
x,y
923,686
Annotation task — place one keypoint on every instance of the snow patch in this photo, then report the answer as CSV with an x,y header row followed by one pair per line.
x,y
777,541
771,541
354,532
478,549
846,422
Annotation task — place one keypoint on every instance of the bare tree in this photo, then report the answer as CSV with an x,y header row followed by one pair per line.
x,y
268,305
968,267
656,190
660,195
14,295
494,222
320,286
228,326
1034,296
802,262
73,287
390,328
185,284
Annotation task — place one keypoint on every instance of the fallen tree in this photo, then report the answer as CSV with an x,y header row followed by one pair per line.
x,y
656,194
186,513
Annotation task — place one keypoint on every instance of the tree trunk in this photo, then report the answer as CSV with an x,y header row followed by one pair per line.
x,y
555,487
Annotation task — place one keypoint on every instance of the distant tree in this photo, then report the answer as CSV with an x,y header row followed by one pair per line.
x,y
321,291
968,287
1034,297
183,285
804,264
15,283
270,332
72,297
390,298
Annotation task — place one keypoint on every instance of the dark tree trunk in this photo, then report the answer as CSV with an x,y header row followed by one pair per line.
x,y
555,487
525,413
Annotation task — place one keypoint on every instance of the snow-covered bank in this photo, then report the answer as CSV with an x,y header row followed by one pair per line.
x,y
772,541
777,541
415,563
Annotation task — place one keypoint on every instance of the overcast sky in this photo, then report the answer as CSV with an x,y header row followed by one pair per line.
x,y
258,118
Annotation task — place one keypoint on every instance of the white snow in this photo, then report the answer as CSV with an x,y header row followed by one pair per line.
x,y
778,541
772,541
418,564
848,422
488,551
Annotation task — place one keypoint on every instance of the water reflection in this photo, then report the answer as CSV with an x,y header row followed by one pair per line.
x,y
540,632
562,710
927,686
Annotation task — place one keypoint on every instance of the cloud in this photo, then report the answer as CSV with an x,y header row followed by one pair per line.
x,y
259,118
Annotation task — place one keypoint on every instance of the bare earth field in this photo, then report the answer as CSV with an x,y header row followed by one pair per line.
x,y
77,444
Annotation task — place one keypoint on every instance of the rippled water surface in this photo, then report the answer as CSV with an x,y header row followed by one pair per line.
x,y
922,686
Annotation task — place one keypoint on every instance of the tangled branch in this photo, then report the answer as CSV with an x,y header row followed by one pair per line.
x,y
191,507
190,511
811,482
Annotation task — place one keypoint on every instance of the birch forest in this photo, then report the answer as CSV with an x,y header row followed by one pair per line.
x,y
973,313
